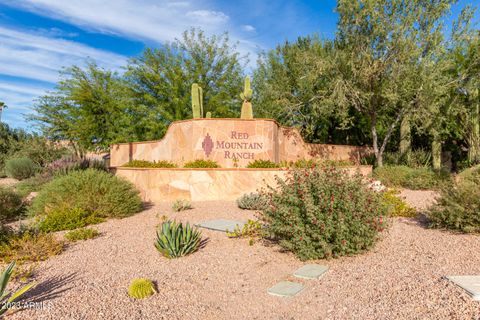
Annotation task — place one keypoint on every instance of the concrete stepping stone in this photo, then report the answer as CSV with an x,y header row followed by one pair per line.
x,y
285,289
471,284
311,271
221,225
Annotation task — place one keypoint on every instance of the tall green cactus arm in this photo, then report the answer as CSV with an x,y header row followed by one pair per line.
x,y
247,91
247,109
197,101
200,97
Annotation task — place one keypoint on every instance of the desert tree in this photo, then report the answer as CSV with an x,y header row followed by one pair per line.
x,y
382,46
160,79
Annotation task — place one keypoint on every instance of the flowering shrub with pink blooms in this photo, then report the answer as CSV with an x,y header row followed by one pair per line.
x,y
323,212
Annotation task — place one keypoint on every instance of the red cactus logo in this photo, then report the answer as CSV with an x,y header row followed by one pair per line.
x,y
207,145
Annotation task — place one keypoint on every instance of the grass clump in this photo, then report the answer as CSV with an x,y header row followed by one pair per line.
x,y
200,163
263,164
410,178
181,204
81,234
91,191
30,247
175,240
11,204
68,219
20,168
252,201
396,206
458,208
323,212
149,164
141,288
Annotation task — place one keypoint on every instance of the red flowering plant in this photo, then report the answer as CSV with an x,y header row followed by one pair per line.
x,y
323,212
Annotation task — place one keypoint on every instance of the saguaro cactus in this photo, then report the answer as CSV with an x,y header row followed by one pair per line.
x,y
197,101
208,115
246,96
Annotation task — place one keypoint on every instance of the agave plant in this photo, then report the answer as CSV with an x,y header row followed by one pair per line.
x,y
176,240
6,298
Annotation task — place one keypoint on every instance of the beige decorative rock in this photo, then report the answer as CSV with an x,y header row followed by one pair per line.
x,y
224,140
232,143
157,184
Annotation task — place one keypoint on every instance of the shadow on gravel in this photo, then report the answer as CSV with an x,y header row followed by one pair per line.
x,y
50,288
421,221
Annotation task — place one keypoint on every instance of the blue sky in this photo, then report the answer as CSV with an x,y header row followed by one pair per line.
x,y
39,37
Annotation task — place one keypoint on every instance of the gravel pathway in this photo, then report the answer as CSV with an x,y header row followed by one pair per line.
x,y
7,182
401,278
419,199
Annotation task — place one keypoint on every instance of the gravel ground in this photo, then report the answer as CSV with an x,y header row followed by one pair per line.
x,y
401,278
419,199
7,182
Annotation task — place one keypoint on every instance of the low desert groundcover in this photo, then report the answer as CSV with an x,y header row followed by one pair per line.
x,y
322,212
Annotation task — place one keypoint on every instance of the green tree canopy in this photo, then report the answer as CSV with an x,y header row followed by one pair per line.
x,y
161,79
89,107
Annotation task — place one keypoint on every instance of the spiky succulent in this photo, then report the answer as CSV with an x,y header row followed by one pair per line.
x,y
7,298
176,240
141,288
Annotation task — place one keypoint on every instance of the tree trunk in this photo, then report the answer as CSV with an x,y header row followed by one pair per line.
x,y
436,151
373,128
405,135
474,136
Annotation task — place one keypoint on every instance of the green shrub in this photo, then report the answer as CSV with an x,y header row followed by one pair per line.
x,y
323,212
201,164
67,219
458,208
300,163
20,168
413,159
149,164
252,201
5,233
410,178
176,240
303,163
40,150
181,204
11,204
29,246
8,298
469,172
263,164
90,190
141,288
81,234
396,206
33,184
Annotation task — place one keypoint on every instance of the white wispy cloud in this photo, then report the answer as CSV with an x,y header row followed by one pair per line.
x,y
248,28
39,58
157,20
39,54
